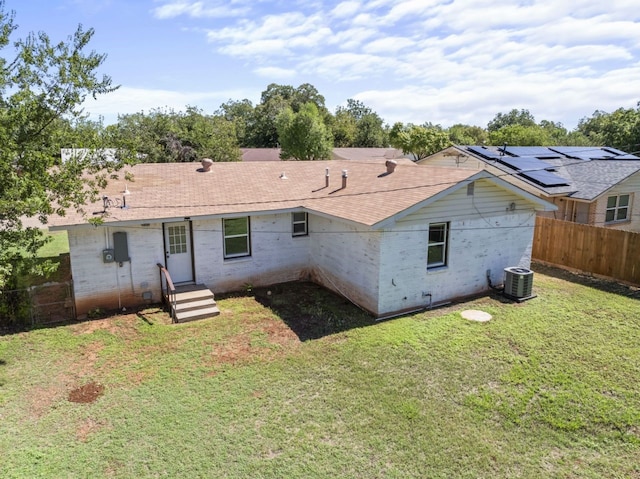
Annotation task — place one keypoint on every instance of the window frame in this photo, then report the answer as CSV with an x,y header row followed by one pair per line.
x,y
295,222
246,235
617,208
444,257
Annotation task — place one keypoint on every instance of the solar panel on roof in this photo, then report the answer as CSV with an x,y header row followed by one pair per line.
x,y
584,152
485,152
537,151
621,155
534,169
545,178
524,163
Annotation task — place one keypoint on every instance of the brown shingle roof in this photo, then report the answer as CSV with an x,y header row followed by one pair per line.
x,y
176,190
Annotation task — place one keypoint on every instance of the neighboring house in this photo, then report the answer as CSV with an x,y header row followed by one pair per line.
x,y
589,185
389,240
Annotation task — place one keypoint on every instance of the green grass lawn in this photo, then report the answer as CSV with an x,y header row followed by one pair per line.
x,y
59,244
548,388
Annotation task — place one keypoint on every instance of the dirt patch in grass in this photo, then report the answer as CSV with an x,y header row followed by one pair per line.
x,y
87,393
88,427
41,398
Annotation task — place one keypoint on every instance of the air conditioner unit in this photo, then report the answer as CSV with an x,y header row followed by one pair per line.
x,y
518,283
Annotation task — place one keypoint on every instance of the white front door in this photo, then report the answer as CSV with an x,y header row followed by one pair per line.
x,y
177,244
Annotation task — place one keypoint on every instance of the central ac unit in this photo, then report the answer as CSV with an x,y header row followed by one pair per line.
x,y
518,283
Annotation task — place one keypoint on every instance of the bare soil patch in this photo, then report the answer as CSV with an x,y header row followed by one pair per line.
x,y
87,393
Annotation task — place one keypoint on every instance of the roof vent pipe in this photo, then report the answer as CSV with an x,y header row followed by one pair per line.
x,y
207,163
344,178
326,178
391,166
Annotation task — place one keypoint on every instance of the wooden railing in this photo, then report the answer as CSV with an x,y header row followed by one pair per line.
x,y
168,290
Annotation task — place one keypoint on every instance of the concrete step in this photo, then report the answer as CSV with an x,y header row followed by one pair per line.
x,y
195,304
196,295
195,314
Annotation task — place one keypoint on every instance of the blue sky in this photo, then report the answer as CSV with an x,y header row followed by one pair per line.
x,y
443,61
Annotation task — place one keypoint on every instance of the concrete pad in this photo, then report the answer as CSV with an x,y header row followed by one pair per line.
x,y
475,315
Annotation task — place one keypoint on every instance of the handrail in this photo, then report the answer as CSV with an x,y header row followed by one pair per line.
x,y
169,288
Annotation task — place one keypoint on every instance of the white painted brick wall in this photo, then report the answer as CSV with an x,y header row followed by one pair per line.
x,y
276,256
345,259
109,285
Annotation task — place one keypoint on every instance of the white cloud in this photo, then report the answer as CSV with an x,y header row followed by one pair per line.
x,y
197,10
388,45
127,100
345,9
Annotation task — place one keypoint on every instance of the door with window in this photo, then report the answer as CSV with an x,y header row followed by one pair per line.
x,y
177,244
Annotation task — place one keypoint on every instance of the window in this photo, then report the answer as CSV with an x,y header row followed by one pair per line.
x,y
437,248
299,223
177,239
617,208
236,237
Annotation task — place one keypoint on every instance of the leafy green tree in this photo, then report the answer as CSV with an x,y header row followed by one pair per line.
x,y
343,128
520,135
41,83
620,129
275,99
304,135
460,134
356,125
242,114
204,136
168,136
514,117
418,140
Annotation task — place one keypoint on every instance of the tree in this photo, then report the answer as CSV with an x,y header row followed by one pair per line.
x,y
356,125
620,129
519,135
303,135
242,114
419,141
168,136
41,84
460,134
514,117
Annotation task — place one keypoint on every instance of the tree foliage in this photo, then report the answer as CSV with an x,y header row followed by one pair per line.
x,y
357,125
620,129
514,117
167,136
303,135
42,87
418,140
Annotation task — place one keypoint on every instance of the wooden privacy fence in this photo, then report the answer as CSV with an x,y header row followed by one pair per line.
x,y
591,249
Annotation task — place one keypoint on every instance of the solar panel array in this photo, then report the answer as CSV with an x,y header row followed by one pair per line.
x,y
534,169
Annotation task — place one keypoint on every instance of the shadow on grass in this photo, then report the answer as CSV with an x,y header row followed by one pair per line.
x,y
310,310
602,284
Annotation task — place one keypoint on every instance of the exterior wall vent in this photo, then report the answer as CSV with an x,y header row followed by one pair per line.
x,y
518,283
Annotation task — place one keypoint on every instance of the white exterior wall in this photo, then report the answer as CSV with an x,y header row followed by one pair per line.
x,y
276,255
382,271
109,285
630,186
484,234
345,259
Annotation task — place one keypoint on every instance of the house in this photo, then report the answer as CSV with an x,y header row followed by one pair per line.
x,y
391,236
599,186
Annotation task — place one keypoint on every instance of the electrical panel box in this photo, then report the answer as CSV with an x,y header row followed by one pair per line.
x,y
120,247
107,256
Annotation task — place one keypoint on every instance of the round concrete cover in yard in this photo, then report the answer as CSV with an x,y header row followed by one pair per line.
x,y
475,315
